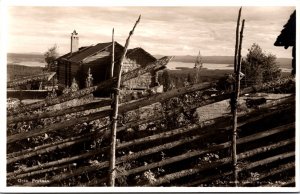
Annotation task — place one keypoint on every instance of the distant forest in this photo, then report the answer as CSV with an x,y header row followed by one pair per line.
x,y
282,62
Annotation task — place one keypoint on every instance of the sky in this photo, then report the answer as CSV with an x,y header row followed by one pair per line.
x,y
162,30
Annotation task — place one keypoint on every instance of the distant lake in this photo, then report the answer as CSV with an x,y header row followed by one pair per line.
x,y
172,65
29,63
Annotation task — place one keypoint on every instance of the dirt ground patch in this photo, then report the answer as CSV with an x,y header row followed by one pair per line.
x,y
222,108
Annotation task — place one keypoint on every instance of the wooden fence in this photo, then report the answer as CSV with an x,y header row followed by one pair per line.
x,y
167,147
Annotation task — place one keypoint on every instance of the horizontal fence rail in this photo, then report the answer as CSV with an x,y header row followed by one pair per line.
x,y
29,79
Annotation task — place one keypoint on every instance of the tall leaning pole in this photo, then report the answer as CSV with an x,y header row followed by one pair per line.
x,y
112,162
236,91
237,39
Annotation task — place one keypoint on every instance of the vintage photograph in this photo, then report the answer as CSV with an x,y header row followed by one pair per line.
x,y
151,96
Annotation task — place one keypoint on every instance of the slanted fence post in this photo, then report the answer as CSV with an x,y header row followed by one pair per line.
x,y
112,54
237,40
237,91
112,162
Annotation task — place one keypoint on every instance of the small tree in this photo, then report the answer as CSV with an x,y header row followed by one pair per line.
x,y
50,57
271,71
259,67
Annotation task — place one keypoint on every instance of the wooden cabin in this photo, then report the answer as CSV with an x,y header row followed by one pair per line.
x,y
76,64
287,38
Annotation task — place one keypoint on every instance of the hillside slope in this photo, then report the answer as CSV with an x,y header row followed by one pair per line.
x,y
18,71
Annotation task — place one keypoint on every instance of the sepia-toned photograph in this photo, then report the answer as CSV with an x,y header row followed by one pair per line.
x,y
151,96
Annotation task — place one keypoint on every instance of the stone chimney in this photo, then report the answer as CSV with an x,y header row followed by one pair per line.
x,y
74,41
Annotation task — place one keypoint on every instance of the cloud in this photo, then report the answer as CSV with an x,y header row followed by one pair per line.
x,y
162,30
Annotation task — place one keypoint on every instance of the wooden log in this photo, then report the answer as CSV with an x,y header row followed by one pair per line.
x,y
13,119
165,146
163,96
159,136
92,105
141,153
57,126
115,107
256,88
211,149
50,147
101,150
162,147
236,98
59,162
112,54
60,177
27,94
173,159
205,135
30,79
266,148
103,132
238,70
273,171
270,160
258,112
13,157
172,176
26,175
266,133
237,40
126,125
192,127
105,84
283,184
237,94
266,86
207,179
124,108
132,124
84,169
249,138
260,115
55,146
247,167
251,117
